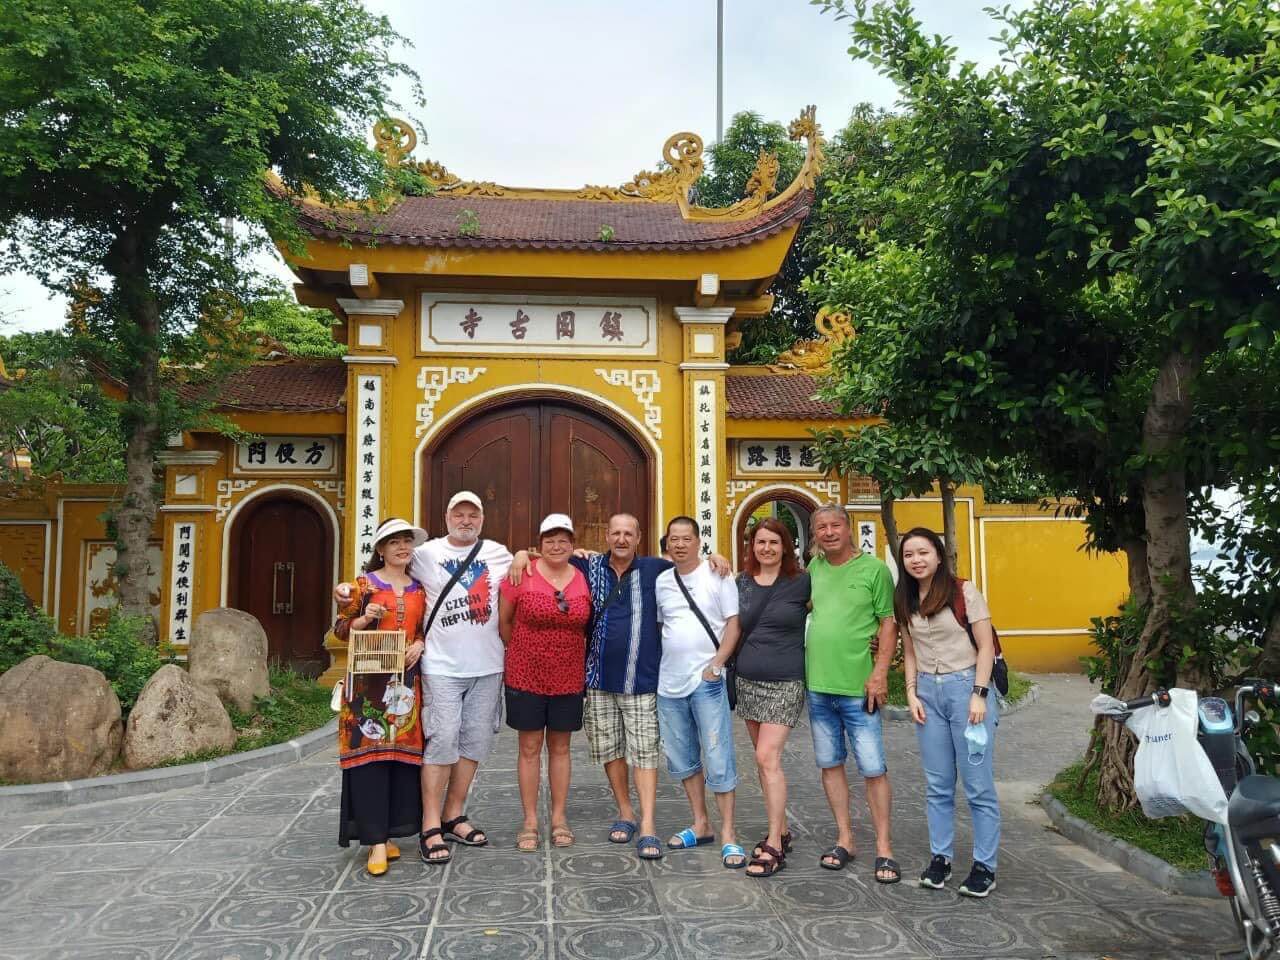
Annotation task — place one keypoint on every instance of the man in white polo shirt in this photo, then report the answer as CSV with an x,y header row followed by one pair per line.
x,y
699,614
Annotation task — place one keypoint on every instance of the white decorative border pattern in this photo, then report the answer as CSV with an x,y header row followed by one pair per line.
x,y
731,490
433,381
645,384
827,488
337,487
226,490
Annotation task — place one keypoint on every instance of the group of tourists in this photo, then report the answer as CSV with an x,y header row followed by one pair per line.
x,y
644,655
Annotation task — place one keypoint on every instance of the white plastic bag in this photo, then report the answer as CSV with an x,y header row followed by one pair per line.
x,y
1171,772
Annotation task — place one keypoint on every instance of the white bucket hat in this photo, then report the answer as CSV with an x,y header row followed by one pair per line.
x,y
396,525
555,521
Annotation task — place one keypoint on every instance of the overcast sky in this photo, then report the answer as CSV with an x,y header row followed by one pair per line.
x,y
560,93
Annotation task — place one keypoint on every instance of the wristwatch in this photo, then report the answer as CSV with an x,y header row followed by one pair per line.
x,y
981,691
715,671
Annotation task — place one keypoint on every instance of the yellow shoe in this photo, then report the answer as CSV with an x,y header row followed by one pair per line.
x,y
393,852
377,865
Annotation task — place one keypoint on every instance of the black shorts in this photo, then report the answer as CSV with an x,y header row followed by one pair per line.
x,y
538,711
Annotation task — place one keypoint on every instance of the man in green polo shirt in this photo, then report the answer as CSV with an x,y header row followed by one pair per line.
x,y
852,594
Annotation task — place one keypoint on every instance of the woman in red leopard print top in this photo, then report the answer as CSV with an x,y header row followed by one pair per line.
x,y
543,624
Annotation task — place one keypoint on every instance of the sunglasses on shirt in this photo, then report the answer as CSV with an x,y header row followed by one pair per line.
x,y
561,603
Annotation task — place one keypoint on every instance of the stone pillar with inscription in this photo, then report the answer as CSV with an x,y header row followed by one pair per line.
x,y
190,579
703,369
370,368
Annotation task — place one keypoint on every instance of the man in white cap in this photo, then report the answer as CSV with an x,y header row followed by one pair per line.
x,y
462,670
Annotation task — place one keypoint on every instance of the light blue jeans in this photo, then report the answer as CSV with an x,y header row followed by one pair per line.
x,y
699,728
944,751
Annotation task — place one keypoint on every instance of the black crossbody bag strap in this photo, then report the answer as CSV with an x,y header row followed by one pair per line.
x,y
457,575
694,607
755,621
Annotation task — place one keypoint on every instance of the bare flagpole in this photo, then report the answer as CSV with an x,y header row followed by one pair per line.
x,y
719,70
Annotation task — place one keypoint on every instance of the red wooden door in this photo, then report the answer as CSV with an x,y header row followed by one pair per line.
x,y
533,459
282,563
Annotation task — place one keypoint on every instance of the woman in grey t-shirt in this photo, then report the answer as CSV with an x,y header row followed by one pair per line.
x,y
773,598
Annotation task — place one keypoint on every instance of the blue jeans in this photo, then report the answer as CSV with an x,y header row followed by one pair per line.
x,y
832,719
696,728
943,751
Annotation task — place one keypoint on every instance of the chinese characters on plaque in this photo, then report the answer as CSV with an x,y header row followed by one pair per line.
x,y
181,581
867,536
287,455
778,456
367,450
706,450
490,323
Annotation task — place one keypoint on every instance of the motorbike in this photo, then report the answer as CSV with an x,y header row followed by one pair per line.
x,y
1244,853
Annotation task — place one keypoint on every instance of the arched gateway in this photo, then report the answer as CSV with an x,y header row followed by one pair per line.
x,y
281,571
528,459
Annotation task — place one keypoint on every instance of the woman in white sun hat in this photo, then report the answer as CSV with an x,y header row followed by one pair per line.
x,y
379,731
543,624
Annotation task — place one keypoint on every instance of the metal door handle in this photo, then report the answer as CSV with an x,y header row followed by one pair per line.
x,y
278,605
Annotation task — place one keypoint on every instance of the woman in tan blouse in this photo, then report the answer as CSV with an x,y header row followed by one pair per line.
x,y
948,676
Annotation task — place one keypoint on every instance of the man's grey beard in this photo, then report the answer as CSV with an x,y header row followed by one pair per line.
x,y
465,536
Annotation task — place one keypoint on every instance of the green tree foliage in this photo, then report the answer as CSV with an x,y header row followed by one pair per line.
x,y
1095,229
861,147
55,413
302,331
132,134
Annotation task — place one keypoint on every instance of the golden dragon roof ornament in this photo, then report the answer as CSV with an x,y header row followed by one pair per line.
x,y
683,164
814,356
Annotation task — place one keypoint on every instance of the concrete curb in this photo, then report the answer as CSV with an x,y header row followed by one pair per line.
x,y
1164,875
903,713
42,796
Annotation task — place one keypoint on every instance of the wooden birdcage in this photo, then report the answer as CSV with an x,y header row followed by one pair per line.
x,y
376,651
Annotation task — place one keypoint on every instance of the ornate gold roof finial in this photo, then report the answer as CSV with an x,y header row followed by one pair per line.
x,y
814,356
394,139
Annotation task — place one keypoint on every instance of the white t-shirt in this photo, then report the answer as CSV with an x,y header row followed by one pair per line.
x,y
464,640
686,648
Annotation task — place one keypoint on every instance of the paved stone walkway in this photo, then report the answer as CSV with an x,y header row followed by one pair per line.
x,y
250,869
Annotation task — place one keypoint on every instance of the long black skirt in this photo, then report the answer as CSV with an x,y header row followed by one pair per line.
x,y
380,800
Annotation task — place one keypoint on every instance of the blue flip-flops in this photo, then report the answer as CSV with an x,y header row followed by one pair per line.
x,y
622,826
686,839
649,848
733,850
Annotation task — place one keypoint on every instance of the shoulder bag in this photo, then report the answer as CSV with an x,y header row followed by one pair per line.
x,y
999,669
727,671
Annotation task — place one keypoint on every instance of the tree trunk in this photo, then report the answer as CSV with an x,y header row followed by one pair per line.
x,y
1135,551
1168,573
1269,665
890,524
949,521
136,516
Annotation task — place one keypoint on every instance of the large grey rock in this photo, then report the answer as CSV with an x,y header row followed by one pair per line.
x,y
175,717
58,721
228,652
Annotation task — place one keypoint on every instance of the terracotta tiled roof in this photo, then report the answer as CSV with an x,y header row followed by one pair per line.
x,y
297,385
779,396
504,222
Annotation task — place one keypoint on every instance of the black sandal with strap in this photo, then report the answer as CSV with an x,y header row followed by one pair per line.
x,y
427,849
839,854
891,865
786,844
451,834
777,862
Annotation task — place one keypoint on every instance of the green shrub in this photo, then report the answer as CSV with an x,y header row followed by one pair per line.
x,y
25,630
118,650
